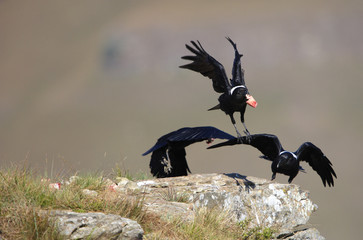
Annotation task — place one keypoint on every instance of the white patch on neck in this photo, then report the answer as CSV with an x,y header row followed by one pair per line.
x,y
234,88
293,154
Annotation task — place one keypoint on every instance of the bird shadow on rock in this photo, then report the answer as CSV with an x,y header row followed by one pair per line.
x,y
247,183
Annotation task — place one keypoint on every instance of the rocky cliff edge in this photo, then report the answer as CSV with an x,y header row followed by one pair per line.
x,y
262,203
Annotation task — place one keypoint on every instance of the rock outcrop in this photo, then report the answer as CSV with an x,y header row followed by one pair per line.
x,y
257,202
263,203
72,225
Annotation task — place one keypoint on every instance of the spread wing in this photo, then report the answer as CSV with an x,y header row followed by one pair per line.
x,y
311,154
238,74
268,144
205,64
198,134
168,154
161,142
187,136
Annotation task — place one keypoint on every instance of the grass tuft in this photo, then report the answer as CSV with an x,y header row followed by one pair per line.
x,y
24,197
214,224
89,181
171,195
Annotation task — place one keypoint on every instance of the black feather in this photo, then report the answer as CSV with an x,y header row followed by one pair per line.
x,y
235,95
286,162
168,154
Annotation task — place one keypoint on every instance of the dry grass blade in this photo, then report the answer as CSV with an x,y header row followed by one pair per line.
x,y
173,196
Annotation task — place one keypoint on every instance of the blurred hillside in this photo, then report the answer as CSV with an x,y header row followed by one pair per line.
x,y
87,85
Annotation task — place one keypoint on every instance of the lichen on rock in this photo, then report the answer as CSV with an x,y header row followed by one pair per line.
x,y
262,202
259,203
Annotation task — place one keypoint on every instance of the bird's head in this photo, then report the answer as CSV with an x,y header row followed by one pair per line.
x,y
240,92
251,101
286,161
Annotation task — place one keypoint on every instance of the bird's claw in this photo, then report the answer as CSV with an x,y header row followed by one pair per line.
x,y
248,136
239,137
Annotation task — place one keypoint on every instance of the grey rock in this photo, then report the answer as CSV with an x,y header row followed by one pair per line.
x,y
311,233
283,207
72,225
304,234
262,202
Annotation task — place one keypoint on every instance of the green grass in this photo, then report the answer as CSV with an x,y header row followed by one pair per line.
x,y
171,195
21,197
23,194
119,171
214,224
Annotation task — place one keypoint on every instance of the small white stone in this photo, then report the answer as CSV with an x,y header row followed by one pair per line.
x,y
143,183
122,181
90,193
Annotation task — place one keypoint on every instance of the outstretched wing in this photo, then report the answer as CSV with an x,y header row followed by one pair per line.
x,y
161,142
168,154
197,134
268,144
238,74
187,136
208,67
310,153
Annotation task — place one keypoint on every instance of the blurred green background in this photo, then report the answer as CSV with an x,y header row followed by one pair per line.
x,y
86,85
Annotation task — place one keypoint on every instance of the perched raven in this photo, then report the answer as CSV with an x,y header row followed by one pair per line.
x,y
287,162
235,95
168,154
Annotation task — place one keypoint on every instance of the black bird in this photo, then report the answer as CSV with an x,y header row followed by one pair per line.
x,y
287,162
168,157
235,95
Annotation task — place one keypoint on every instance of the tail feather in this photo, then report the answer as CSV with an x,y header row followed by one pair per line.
x,y
215,107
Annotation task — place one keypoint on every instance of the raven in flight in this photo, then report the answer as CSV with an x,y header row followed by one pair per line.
x,y
287,162
168,154
235,95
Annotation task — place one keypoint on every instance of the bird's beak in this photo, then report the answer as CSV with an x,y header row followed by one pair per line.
x,y
251,101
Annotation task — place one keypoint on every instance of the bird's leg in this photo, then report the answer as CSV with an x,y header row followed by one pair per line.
x,y
248,135
167,164
273,176
239,136
292,177
247,132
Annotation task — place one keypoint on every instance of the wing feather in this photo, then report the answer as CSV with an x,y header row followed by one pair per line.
x,y
189,136
311,154
268,144
238,72
168,154
205,64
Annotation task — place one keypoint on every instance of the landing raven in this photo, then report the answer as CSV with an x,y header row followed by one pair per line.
x,y
287,162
